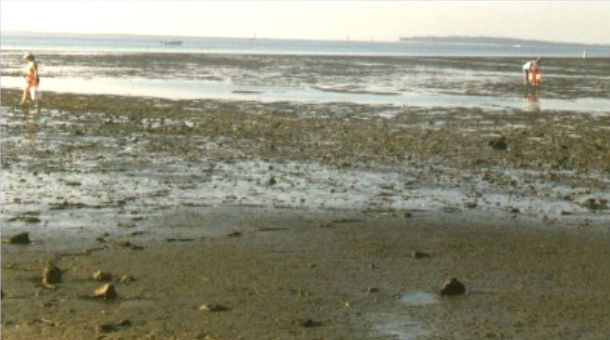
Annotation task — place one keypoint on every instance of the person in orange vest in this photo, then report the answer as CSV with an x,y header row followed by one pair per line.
x,y
531,72
31,79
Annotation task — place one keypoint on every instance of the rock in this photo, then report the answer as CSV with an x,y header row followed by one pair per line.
x,y
419,254
307,323
106,292
213,308
498,144
51,275
106,328
271,181
126,279
101,275
113,327
234,234
21,238
453,287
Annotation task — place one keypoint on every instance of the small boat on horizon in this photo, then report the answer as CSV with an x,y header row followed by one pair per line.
x,y
172,42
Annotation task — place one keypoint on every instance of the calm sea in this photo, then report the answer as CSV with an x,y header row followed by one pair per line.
x,y
122,43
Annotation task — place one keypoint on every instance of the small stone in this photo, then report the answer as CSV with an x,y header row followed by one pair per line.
x,y
453,287
21,238
499,144
271,181
126,279
419,254
234,234
50,275
101,275
106,328
106,292
212,308
307,323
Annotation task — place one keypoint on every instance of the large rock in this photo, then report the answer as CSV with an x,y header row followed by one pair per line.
x,y
453,287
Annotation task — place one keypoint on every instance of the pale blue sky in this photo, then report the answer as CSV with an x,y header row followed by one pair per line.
x,y
562,21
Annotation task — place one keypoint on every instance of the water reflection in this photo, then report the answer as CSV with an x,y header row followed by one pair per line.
x,y
30,126
533,101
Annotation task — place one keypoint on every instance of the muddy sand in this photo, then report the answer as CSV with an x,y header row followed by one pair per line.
x,y
139,188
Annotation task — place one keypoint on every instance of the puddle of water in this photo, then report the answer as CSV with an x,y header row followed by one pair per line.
x,y
400,327
419,298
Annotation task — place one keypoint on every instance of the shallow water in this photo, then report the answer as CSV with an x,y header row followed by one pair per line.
x,y
490,84
205,89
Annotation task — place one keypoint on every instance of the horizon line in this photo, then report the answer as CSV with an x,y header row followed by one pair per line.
x,y
347,38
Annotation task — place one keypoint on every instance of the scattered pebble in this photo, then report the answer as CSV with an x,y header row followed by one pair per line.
x,y
213,308
498,144
51,275
234,234
453,287
101,275
419,254
106,292
126,279
271,181
307,323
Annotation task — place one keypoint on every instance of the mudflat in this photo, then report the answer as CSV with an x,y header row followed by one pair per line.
x,y
227,220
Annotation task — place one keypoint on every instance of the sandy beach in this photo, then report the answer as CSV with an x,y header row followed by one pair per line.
x,y
224,219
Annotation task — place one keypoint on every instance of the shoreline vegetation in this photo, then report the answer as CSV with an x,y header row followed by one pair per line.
x,y
115,174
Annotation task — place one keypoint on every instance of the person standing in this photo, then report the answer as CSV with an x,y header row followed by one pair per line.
x,y
32,79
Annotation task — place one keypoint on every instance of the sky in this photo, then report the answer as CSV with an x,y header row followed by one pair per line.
x,y
559,21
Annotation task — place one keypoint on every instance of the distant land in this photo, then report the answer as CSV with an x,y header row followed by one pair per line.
x,y
489,41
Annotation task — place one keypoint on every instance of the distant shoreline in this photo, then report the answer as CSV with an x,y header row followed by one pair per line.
x,y
483,40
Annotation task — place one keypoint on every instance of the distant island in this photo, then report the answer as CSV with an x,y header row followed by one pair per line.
x,y
489,41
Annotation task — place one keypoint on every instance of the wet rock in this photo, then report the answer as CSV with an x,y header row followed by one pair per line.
x,y
593,203
453,287
498,144
419,254
213,307
271,181
234,234
106,328
113,327
21,238
126,279
307,323
101,275
105,292
51,275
